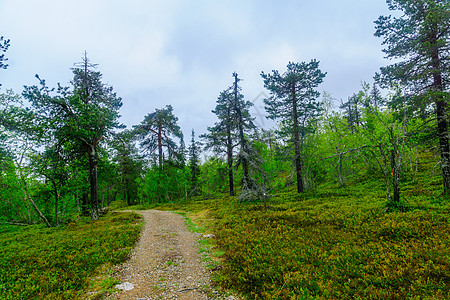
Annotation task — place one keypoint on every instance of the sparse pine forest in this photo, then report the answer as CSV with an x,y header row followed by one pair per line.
x,y
341,199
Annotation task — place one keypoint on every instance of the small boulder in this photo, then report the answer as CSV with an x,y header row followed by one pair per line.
x,y
126,286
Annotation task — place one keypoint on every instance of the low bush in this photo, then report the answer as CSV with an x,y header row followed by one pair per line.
x,y
57,263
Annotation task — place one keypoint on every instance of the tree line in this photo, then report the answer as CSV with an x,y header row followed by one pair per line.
x,y
66,153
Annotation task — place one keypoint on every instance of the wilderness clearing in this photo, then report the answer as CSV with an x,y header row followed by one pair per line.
x,y
171,184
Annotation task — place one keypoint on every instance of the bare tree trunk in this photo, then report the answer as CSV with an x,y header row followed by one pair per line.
x,y
103,200
443,145
230,166
230,154
395,175
441,116
55,191
385,172
160,149
246,181
298,159
128,197
93,185
85,204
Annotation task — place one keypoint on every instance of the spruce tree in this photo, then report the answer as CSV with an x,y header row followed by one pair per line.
x,y
194,163
243,122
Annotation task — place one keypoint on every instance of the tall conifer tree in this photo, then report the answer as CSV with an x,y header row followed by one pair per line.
x,y
293,100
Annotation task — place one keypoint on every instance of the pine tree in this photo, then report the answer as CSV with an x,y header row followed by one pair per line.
x,y
80,118
420,38
157,131
293,100
352,111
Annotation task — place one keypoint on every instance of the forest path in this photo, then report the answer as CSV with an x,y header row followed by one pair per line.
x,y
165,263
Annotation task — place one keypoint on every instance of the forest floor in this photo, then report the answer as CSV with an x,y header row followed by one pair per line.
x,y
166,263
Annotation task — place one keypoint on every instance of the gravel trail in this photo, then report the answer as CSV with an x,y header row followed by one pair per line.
x,y
165,264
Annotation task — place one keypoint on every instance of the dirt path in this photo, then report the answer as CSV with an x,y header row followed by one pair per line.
x,y
165,264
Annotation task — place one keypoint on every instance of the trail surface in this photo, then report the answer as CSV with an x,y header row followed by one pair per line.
x,y
165,263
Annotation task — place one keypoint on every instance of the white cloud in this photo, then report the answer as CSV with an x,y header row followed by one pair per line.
x,y
183,52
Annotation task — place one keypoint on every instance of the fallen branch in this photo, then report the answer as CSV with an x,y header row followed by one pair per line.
x,y
348,151
191,289
14,223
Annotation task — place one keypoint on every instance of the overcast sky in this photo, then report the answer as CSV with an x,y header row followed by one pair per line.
x,y
183,53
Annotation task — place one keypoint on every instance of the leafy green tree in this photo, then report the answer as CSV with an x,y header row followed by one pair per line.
x,y
385,133
8,106
98,110
293,100
166,179
194,163
14,206
52,165
19,130
235,122
162,185
156,133
79,119
420,39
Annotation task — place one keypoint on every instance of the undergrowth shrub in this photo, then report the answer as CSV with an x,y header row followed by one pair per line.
x,y
333,247
56,263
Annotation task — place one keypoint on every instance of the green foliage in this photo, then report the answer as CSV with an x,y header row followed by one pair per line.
x,y
57,263
129,166
214,177
164,185
77,120
11,210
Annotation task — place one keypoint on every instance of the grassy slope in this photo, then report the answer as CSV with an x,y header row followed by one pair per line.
x,y
57,263
335,243
334,248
